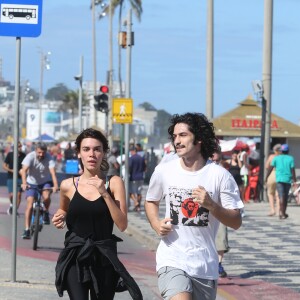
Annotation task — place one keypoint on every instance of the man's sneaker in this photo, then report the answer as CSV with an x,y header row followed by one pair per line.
x,y
26,234
222,272
46,218
9,210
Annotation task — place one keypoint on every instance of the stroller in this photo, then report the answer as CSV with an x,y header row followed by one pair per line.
x,y
294,194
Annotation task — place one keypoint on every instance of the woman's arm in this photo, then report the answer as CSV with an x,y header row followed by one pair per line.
x,y
117,206
59,218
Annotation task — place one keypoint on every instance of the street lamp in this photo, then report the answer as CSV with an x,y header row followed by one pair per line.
x,y
80,78
45,64
259,91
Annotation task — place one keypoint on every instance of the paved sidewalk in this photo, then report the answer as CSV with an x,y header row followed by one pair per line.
x,y
263,263
264,259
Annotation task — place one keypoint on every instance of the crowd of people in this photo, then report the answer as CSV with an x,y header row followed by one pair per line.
x,y
204,194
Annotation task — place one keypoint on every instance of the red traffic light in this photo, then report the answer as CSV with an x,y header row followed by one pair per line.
x,y
104,89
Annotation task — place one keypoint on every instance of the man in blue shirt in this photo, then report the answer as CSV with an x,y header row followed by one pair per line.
x,y
137,167
285,174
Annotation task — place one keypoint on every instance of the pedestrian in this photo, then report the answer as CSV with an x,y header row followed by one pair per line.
x,y
55,150
186,258
244,172
234,167
8,165
137,167
285,174
38,171
222,244
69,152
139,150
89,207
271,183
114,166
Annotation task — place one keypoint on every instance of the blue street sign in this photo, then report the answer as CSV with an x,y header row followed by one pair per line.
x,y
21,18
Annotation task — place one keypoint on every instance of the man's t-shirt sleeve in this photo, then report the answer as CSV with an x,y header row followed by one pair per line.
x,y
155,190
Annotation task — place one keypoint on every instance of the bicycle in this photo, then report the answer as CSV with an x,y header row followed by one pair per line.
x,y
38,209
294,194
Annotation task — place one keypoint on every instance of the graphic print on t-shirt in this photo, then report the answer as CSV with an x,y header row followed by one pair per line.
x,y
184,211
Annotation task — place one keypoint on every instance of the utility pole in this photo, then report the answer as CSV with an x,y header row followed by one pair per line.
x,y
80,79
110,78
128,95
267,73
94,58
210,60
42,58
44,64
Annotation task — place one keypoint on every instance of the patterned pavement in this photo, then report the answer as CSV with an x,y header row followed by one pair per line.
x,y
264,259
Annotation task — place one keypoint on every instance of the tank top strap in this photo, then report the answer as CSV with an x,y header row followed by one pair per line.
x,y
76,183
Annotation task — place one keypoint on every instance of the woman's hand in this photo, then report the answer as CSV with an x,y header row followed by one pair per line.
x,y
98,183
59,220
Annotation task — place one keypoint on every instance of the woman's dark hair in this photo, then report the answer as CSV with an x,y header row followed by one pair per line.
x,y
202,129
94,134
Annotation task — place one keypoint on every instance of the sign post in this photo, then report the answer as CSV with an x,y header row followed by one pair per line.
x,y
18,18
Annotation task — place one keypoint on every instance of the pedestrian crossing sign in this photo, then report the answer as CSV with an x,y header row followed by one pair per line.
x,y
122,110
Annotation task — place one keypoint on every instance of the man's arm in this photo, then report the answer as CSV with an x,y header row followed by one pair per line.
x,y
162,227
54,179
229,217
5,167
294,175
23,173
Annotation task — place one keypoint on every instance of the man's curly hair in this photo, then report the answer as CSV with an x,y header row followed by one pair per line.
x,y
202,129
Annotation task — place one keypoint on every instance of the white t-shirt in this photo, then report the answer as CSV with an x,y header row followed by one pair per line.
x,y
244,169
191,244
38,172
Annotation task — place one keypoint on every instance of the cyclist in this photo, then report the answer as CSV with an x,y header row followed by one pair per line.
x,y
38,171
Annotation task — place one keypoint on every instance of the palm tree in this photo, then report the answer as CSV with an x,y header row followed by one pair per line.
x,y
136,6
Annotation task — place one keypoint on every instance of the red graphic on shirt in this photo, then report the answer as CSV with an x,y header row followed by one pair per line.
x,y
189,208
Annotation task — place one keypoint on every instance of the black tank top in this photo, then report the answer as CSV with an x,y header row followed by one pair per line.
x,y
89,219
235,172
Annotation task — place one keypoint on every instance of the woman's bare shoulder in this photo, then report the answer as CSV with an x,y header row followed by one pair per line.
x,y
67,183
115,182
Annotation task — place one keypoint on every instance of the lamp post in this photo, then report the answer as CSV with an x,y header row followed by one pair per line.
x,y
45,64
258,89
80,78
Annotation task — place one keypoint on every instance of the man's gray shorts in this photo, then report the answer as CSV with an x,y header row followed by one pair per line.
x,y
172,281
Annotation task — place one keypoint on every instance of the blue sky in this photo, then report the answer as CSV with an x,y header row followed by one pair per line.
x,y
169,56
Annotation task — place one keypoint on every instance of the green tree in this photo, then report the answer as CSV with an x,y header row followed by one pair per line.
x,y
58,92
147,106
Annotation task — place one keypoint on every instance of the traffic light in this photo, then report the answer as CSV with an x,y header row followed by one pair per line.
x,y
102,100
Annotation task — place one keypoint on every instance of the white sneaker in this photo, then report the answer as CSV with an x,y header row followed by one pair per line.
x,y
9,210
243,214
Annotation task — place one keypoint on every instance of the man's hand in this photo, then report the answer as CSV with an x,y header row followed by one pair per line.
x,y
163,227
201,196
24,186
55,188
